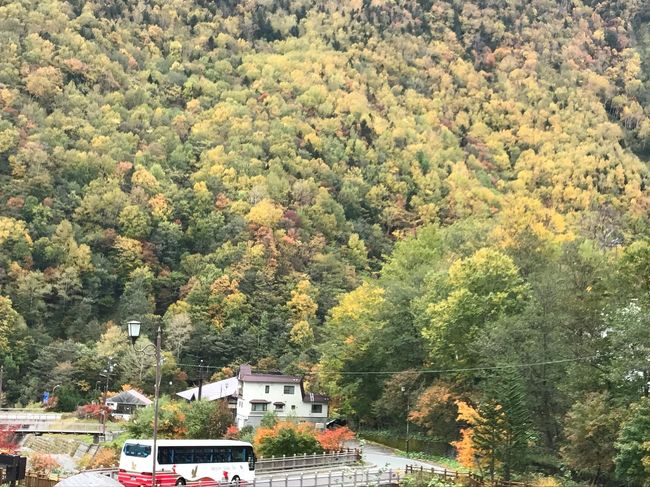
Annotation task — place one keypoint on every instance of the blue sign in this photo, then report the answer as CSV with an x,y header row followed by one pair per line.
x,y
46,396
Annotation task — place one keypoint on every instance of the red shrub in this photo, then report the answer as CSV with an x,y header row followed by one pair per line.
x,y
232,433
8,439
92,411
333,440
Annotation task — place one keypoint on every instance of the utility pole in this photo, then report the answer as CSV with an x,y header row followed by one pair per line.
x,y
107,371
408,409
156,401
2,373
200,379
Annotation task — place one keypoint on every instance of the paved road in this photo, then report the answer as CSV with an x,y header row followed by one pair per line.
x,y
384,457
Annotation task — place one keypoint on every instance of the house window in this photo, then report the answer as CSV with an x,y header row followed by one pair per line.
x,y
279,407
259,407
316,408
289,389
293,407
267,389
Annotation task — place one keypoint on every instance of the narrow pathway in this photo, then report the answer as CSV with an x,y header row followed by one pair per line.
x,y
385,457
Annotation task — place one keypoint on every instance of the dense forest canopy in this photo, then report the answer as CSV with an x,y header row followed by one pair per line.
x,y
333,188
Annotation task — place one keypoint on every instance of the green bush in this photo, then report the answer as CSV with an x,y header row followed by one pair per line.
x,y
269,420
171,421
208,419
287,439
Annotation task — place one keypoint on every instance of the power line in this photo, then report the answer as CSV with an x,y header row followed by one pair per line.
x,y
472,369
420,371
199,366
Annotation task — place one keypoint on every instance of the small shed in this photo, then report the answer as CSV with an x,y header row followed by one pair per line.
x,y
125,403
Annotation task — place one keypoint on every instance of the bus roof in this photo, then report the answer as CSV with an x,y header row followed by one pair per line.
x,y
189,442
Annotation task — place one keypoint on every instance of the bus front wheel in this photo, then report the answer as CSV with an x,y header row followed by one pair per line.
x,y
180,482
235,481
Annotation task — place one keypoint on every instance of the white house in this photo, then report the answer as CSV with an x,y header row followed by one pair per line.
x,y
283,394
251,395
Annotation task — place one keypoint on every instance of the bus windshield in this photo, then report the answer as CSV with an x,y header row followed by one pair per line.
x,y
137,450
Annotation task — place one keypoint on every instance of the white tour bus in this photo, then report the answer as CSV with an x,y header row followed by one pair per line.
x,y
205,463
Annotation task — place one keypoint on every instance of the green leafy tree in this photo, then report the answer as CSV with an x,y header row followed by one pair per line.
x,y
10,325
208,419
632,447
172,418
481,288
592,426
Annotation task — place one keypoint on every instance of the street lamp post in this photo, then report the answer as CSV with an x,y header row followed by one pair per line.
x,y
133,327
408,409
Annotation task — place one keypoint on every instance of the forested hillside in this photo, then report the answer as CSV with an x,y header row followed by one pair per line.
x,y
352,190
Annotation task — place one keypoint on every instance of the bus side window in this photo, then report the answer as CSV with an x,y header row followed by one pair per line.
x,y
250,456
239,454
220,455
183,455
202,455
165,455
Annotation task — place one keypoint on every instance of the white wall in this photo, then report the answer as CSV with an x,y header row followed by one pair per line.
x,y
293,404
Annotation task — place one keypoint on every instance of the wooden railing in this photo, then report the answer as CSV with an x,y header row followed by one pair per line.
x,y
472,479
34,480
39,481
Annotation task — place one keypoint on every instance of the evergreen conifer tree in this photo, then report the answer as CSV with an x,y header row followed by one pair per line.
x,y
503,432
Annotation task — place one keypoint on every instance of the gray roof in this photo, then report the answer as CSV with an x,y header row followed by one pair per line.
x,y
246,375
213,390
130,397
88,479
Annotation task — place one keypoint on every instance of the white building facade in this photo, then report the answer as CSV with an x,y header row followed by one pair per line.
x,y
282,394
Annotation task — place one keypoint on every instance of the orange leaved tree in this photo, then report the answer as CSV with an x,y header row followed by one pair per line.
x,y
465,448
333,439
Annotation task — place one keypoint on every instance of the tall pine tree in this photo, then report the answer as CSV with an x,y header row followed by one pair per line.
x,y
503,431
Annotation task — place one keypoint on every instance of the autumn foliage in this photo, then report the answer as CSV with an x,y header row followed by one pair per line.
x,y
105,458
7,440
286,438
232,433
92,411
334,439
465,450
42,463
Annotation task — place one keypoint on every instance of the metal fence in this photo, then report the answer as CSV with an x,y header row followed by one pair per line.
x,y
280,464
25,418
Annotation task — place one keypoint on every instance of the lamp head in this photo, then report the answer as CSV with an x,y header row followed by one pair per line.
x,y
133,328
